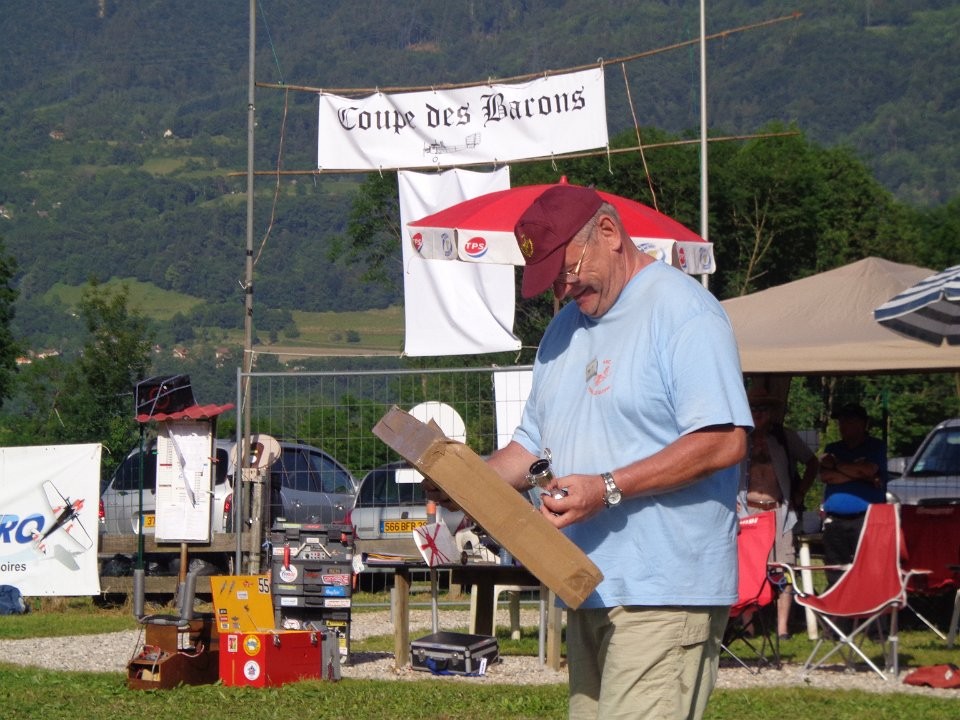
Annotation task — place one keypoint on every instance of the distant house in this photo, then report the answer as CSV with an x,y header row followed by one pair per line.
x,y
168,133
57,135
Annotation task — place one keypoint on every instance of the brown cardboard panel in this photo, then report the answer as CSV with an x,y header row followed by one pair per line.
x,y
498,508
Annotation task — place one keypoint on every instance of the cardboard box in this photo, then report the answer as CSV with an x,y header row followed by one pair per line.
x,y
503,512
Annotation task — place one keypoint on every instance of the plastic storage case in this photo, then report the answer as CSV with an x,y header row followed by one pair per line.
x,y
454,653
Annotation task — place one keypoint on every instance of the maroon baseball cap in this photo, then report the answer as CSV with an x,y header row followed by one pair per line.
x,y
546,227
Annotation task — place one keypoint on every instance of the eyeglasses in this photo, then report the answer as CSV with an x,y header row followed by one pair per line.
x,y
569,278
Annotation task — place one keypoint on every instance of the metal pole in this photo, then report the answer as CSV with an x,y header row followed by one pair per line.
x,y
704,197
140,505
243,454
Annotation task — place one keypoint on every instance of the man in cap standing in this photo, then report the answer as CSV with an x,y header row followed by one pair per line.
x,y
638,397
854,473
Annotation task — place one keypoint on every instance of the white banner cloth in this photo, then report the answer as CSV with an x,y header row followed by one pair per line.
x,y
511,389
48,519
453,308
478,124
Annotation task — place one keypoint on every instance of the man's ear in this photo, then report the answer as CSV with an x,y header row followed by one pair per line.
x,y
608,233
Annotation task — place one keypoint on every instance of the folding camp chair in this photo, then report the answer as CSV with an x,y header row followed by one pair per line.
x,y
871,587
931,536
747,623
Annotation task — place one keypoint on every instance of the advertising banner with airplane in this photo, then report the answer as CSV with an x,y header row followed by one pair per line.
x,y
48,519
447,127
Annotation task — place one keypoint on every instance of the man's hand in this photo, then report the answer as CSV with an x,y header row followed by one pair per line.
x,y
435,493
572,498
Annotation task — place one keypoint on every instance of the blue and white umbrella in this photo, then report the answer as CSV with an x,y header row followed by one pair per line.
x,y
928,311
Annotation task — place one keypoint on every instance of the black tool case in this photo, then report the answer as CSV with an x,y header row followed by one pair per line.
x,y
456,653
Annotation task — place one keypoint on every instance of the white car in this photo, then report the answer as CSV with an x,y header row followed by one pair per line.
x,y
307,485
932,475
387,511
120,501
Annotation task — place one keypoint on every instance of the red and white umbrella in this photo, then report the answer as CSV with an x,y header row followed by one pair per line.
x,y
481,230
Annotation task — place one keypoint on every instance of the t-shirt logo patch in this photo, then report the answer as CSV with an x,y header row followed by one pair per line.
x,y
600,382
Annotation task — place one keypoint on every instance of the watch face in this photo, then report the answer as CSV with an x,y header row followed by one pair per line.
x,y
612,496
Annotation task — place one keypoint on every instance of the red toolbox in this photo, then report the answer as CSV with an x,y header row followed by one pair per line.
x,y
265,659
253,652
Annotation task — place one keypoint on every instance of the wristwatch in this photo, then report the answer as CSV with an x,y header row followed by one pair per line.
x,y
611,494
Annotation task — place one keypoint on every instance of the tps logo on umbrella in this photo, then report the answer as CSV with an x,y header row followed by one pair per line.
x,y
482,230
928,311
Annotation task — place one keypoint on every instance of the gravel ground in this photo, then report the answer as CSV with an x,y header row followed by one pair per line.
x,y
110,652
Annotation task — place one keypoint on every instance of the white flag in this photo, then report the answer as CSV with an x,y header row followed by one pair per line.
x,y
453,308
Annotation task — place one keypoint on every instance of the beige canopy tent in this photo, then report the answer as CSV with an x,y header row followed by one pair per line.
x,y
823,325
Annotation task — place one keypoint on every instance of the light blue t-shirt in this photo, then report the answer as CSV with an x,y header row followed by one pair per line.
x,y
661,363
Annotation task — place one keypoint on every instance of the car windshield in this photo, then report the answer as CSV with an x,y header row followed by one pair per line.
x,y
381,489
940,456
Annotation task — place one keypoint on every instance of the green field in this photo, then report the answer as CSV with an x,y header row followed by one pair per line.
x,y
367,332
146,298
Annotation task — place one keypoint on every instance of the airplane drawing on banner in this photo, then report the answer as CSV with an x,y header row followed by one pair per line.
x,y
47,525
66,515
439,148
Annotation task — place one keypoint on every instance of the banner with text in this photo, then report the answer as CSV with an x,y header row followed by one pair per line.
x,y
48,519
478,124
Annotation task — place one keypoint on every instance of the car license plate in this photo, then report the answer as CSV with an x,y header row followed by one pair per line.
x,y
149,521
402,526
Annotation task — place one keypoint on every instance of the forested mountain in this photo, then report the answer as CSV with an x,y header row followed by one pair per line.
x,y
123,124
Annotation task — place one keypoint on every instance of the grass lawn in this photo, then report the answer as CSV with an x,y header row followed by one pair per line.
x,y
30,693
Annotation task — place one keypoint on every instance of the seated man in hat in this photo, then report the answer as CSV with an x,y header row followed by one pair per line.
x,y
854,473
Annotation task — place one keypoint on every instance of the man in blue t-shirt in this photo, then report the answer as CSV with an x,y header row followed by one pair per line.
x,y
638,399
854,472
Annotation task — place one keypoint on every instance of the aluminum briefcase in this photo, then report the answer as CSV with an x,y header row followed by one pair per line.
x,y
446,653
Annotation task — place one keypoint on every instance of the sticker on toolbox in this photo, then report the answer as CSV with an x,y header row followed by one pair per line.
x,y
251,670
251,645
342,579
337,602
289,573
288,601
329,590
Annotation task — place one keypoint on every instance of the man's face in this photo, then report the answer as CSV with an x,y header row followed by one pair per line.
x,y
587,275
852,429
761,416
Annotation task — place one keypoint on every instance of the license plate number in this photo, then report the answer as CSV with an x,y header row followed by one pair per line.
x,y
402,526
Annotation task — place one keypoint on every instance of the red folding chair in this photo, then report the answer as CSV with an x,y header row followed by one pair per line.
x,y
931,535
755,592
871,587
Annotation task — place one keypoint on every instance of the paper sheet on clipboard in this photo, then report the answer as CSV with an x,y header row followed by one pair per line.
x,y
184,481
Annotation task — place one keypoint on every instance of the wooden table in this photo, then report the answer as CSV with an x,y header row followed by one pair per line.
x,y
482,577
